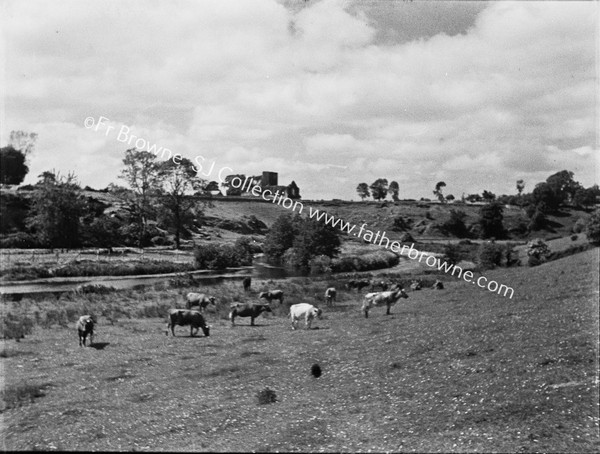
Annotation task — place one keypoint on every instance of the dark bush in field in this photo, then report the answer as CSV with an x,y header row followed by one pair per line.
x,y
592,228
15,326
490,255
17,395
218,257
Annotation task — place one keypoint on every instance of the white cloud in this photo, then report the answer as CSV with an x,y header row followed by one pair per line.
x,y
310,92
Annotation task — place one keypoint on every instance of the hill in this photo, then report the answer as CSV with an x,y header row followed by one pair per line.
x,y
456,370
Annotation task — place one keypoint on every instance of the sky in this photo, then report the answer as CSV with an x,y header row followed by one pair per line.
x,y
327,93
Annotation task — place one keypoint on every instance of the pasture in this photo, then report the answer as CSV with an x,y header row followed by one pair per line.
x,y
460,370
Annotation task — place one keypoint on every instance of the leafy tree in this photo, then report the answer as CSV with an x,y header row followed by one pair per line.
x,y
585,197
544,194
178,182
592,229
488,196
23,141
563,185
438,191
379,189
142,174
450,198
363,191
452,254
490,220
56,207
456,224
12,166
229,189
473,198
395,190
315,238
520,186
281,236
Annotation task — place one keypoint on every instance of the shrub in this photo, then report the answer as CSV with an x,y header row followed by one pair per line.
x,y
17,395
219,257
574,237
490,220
320,264
490,255
455,225
266,396
15,326
452,254
579,225
592,228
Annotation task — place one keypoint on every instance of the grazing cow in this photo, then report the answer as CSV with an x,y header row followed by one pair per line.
x,y
183,317
438,285
381,284
416,285
382,298
330,295
306,311
246,283
85,326
199,299
358,285
272,295
251,310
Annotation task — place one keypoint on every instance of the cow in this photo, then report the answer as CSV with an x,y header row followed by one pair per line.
x,y
382,298
330,295
251,310
306,311
358,285
183,317
85,326
381,284
272,295
198,299
246,283
438,285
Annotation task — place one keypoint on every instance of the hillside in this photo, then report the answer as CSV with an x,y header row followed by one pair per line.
x,y
457,370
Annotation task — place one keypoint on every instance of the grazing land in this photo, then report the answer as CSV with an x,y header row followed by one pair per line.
x,y
459,369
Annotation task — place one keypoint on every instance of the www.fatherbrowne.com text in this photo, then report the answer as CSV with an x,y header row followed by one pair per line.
x,y
124,135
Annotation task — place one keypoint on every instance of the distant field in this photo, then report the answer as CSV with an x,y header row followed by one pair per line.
x,y
457,370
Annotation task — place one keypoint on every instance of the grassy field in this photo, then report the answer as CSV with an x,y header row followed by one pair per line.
x,y
459,370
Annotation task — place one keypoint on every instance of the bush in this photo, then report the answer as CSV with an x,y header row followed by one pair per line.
x,y
592,228
452,254
15,326
456,224
490,220
320,264
371,261
219,257
490,255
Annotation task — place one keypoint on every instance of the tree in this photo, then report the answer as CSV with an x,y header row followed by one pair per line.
x,y
488,196
520,186
585,197
563,185
395,190
12,166
455,225
281,236
23,141
450,198
178,182
490,220
438,191
379,189
56,206
473,198
142,173
363,191
545,197
315,238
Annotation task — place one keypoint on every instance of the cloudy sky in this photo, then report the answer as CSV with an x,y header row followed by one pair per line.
x,y
328,93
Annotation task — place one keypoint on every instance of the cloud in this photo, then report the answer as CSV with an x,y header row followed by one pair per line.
x,y
325,93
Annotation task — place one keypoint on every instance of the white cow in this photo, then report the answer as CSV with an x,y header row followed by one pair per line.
x,y
382,298
306,311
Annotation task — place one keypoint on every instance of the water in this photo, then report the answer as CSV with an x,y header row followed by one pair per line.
x,y
260,270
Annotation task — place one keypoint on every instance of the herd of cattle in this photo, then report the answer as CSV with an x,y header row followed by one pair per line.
x,y
196,303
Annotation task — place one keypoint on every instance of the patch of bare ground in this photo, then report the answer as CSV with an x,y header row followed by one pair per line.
x,y
454,370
